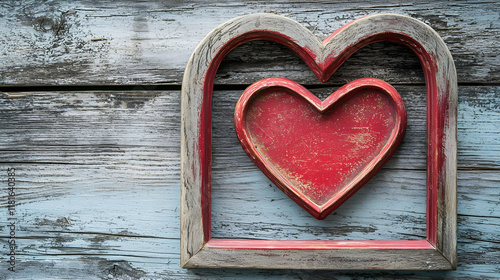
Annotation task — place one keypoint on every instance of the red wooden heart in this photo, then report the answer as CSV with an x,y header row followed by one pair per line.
x,y
320,153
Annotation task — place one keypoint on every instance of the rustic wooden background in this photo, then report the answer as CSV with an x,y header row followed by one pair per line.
x,y
90,120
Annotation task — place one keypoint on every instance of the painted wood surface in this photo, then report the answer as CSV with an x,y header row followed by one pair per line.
x,y
103,42
323,58
98,171
318,151
99,187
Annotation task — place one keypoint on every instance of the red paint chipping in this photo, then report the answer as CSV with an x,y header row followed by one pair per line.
x,y
320,153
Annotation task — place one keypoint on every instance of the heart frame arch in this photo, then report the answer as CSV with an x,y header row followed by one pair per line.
x,y
436,252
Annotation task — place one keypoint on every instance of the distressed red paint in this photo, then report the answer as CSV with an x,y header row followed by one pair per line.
x,y
440,78
323,70
320,153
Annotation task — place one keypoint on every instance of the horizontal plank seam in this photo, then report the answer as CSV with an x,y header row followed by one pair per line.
x,y
471,169
478,216
177,87
87,254
479,240
106,234
460,168
139,87
44,162
108,146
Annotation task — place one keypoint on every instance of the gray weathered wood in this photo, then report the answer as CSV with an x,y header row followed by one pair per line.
x,y
99,171
39,126
88,42
109,163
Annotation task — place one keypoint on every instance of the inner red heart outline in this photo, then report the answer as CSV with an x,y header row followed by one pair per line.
x,y
293,188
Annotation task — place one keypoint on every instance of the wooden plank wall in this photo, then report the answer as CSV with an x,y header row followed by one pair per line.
x,y
90,120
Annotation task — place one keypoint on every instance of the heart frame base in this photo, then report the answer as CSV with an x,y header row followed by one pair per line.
x,y
436,252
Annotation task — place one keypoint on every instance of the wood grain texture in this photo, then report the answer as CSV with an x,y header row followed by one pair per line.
x,y
108,207
323,58
104,42
99,170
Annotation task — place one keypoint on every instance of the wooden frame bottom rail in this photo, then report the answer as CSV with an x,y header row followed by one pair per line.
x,y
341,255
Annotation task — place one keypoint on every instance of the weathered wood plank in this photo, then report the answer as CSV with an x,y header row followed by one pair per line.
x,y
99,188
99,171
88,127
95,221
103,43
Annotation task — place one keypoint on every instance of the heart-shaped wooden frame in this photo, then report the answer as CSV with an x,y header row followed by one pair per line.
x,y
372,166
436,252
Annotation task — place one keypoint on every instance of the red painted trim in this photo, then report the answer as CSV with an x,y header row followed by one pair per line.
x,y
205,152
435,111
241,244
